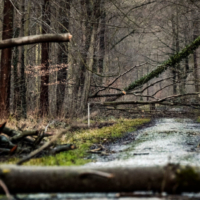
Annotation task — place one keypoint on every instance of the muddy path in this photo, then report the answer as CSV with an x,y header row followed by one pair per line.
x,y
171,140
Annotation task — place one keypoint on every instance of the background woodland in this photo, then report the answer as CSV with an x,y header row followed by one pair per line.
x,y
114,44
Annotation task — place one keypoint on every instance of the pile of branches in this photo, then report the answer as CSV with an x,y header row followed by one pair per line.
x,y
25,141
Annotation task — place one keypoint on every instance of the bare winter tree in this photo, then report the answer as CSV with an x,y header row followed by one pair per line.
x,y
44,93
6,60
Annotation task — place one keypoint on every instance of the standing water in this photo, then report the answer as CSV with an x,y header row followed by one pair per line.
x,y
169,140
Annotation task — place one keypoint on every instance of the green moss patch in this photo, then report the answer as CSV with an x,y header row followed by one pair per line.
x,y
84,139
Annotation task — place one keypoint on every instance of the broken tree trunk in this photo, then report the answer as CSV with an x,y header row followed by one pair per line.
x,y
8,144
35,39
170,178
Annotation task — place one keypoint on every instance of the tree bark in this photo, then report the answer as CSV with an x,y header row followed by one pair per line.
x,y
174,71
170,179
63,56
26,30
93,14
102,46
16,106
6,60
195,55
44,93
22,69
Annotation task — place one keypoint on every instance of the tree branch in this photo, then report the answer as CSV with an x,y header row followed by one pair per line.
x,y
94,95
149,102
171,62
35,39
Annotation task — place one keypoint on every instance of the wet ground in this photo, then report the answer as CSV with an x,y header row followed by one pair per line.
x,y
166,141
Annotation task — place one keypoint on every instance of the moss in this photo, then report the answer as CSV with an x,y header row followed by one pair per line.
x,y
171,62
187,176
198,119
84,139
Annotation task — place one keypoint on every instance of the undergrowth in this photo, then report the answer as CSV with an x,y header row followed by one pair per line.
x,y
84,139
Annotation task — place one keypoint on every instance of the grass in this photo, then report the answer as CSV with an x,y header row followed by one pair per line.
x,y
84,139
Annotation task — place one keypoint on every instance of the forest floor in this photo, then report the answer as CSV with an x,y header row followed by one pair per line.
x,y
88,141
154,143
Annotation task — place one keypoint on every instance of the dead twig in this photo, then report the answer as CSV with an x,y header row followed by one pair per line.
x,y
5,189
44,146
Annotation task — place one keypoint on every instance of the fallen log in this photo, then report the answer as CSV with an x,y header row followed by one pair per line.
x,y
170,178
33,39
9,132
61,148
96,125
24,134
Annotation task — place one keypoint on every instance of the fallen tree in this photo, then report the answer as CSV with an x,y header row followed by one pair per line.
x,y
35,39
170,178
171,62
163,101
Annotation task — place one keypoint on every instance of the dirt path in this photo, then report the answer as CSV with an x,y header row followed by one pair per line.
x,y
168,140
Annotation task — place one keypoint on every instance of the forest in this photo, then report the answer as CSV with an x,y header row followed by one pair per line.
x,y
83,82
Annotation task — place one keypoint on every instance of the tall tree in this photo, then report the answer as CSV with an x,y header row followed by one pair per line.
x,y
6,60
64,12
102,36
44,100
195,55
22,61
92,22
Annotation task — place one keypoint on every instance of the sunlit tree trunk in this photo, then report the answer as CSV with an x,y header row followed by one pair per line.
x,y
44,100
6,60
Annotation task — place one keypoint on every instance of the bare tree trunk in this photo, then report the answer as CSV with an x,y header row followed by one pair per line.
x,y
89,64
63,56
174,71
26,29
6,60
93,14
195,35
44,100
186,66
22,78
102,36
16,104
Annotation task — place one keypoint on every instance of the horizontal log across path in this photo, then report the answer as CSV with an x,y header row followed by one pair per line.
x,y
170,178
